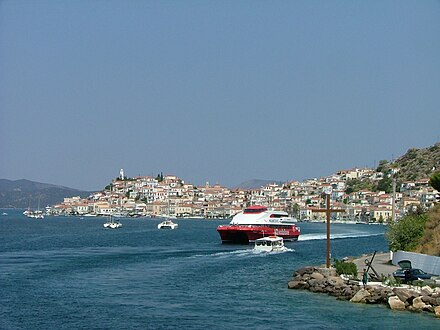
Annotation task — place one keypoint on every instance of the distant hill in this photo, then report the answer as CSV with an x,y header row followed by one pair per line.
x,y
256,183
25,193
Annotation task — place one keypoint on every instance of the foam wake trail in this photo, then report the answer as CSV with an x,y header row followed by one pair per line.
x,y
312,237
238,253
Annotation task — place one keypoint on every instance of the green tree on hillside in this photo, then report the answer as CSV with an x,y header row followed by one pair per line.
x,y
434,181
383,166
385,184
354,185
406,234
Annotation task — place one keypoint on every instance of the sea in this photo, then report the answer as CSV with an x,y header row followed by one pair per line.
x,y
72,273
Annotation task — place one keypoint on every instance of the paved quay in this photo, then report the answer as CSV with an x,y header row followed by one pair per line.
x,y
381,264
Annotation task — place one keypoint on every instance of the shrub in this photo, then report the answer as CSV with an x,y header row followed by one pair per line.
x,y
347,268
391,281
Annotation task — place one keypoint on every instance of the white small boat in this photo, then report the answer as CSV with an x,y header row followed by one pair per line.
x,y
167,224
270,244
112,224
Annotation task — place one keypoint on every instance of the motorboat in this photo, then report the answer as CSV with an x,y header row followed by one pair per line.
x,y
167,224
256,222
112,224
269,244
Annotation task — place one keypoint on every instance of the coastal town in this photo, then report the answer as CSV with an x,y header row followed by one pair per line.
x,y
171,196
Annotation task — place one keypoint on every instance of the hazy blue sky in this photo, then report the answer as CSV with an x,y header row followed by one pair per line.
x,y
218,91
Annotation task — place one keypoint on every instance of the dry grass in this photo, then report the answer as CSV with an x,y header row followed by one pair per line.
x,y
430,242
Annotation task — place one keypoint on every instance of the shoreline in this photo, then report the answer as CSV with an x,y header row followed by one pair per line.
x,y
396,296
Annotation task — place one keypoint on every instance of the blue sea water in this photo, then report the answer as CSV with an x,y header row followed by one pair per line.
x,y
71,273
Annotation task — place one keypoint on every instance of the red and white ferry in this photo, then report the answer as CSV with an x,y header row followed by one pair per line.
x,y
256,222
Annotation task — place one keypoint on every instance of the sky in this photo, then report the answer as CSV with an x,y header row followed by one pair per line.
x,y
214,91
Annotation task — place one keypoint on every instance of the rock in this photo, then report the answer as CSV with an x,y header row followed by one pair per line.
x,y
327,272
360,296
429,300
316,289
395,303
296,284
377,295
437,311
304,270
335,281
373,299
426,291
348,292
316,283
418,304
317,276
325,280
406,295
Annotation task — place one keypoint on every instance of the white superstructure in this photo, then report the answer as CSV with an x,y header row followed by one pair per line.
x,y
269,244
260,215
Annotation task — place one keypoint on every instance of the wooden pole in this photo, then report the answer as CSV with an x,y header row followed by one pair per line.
x,y
328,212
328,230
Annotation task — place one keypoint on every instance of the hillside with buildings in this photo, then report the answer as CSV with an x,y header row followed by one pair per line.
x,y
370,200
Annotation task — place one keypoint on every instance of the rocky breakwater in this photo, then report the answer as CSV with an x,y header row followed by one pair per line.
x,y
326,280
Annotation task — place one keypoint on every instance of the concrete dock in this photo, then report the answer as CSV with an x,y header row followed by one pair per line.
x,y
381,264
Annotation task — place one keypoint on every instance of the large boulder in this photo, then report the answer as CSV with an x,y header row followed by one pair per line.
x,y
396,304
427,291
437,311
304,270
317,276
297,284
429,300
406,295
315,282
348,292
335,281
360,296
418,304
377,295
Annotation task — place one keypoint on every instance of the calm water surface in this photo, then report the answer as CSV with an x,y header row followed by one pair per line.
x,y
71,273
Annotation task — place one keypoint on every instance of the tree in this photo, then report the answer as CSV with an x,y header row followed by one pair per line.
x,y
434,181
385,184
383,166
159,177
294,210
406,234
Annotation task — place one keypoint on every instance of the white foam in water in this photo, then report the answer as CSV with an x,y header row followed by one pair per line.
x,y
272,252
311,237
239,253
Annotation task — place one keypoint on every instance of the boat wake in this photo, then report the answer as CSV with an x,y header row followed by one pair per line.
x,y
313,237
239,253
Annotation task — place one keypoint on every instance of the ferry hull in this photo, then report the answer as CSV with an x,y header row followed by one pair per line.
x,y
245,234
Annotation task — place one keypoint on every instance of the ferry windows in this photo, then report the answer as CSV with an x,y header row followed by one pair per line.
x,y
254,210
